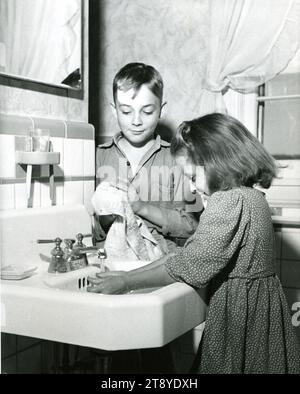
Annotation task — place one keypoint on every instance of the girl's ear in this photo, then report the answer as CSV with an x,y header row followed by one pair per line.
x,y
113,109
162,109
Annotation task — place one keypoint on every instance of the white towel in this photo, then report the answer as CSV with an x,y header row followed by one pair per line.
x,y
128,237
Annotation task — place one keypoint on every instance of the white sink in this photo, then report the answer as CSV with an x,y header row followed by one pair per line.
x,y
78,280
57,306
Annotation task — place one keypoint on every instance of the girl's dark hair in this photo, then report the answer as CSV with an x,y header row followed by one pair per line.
x,y
230,154
134,75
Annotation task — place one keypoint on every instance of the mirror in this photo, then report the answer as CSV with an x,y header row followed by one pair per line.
x,y
41,43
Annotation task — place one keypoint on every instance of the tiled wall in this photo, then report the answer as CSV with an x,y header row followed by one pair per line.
x,y
288,268
285,191
284,198
25,355
74,176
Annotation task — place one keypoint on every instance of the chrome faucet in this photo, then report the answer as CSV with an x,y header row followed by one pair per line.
x,y
73,257
58,262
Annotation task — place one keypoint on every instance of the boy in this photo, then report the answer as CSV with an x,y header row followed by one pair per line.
x,y
139,160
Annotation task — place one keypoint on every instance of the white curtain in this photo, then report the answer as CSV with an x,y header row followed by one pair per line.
x,y
250,42
40,39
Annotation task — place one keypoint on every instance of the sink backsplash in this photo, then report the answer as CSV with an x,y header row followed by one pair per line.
x,y
74,176
20,229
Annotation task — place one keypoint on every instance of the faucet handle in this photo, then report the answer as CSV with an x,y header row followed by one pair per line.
x,y
102,253
49,241
57,251
69,242
80,237
79,243
45,241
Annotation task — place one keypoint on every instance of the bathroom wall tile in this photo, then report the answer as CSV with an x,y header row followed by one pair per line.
x,y
14,124
278,268
73,157
189,342
36,194
182,361
80,130
291,244
59,193
20,195
278,238
23,342
9,365
30,361
293,299
7,156
45,195
292,295
290,273
58,146
291,212
283,193
56,127
73,192
44,171
7,197
89,158
48,356
8,344
88,190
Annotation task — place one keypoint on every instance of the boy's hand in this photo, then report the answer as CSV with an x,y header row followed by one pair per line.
x,y
134,200
132,194
133,197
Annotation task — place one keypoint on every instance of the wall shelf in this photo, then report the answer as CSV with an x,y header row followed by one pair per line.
x,y
38,158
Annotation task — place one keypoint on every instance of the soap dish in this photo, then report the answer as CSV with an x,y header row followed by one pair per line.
x,y
16,273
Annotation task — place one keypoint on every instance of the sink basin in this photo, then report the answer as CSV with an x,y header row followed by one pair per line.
x,y
78,280
57,307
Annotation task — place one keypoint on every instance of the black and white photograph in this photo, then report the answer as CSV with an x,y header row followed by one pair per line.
x,y
149,190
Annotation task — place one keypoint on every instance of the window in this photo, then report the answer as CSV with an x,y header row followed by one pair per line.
x,y
279,131
279,116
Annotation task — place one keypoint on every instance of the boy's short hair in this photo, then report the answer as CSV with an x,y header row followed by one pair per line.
x,y
134,75
230,154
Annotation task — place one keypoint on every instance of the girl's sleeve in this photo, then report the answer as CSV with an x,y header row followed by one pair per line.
x,y
221,232
182,215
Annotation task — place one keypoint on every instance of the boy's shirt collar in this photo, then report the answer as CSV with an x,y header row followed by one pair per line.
x,y
158,141
154,148
116,138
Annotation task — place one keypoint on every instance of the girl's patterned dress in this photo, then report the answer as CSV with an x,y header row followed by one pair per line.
x,y
248,327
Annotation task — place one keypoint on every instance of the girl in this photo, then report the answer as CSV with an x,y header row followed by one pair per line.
x,y
248,327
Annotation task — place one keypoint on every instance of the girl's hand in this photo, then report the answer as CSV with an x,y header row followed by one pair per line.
x,y
108,283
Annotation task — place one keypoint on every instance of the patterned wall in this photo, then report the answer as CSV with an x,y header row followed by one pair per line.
x,y
170,35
